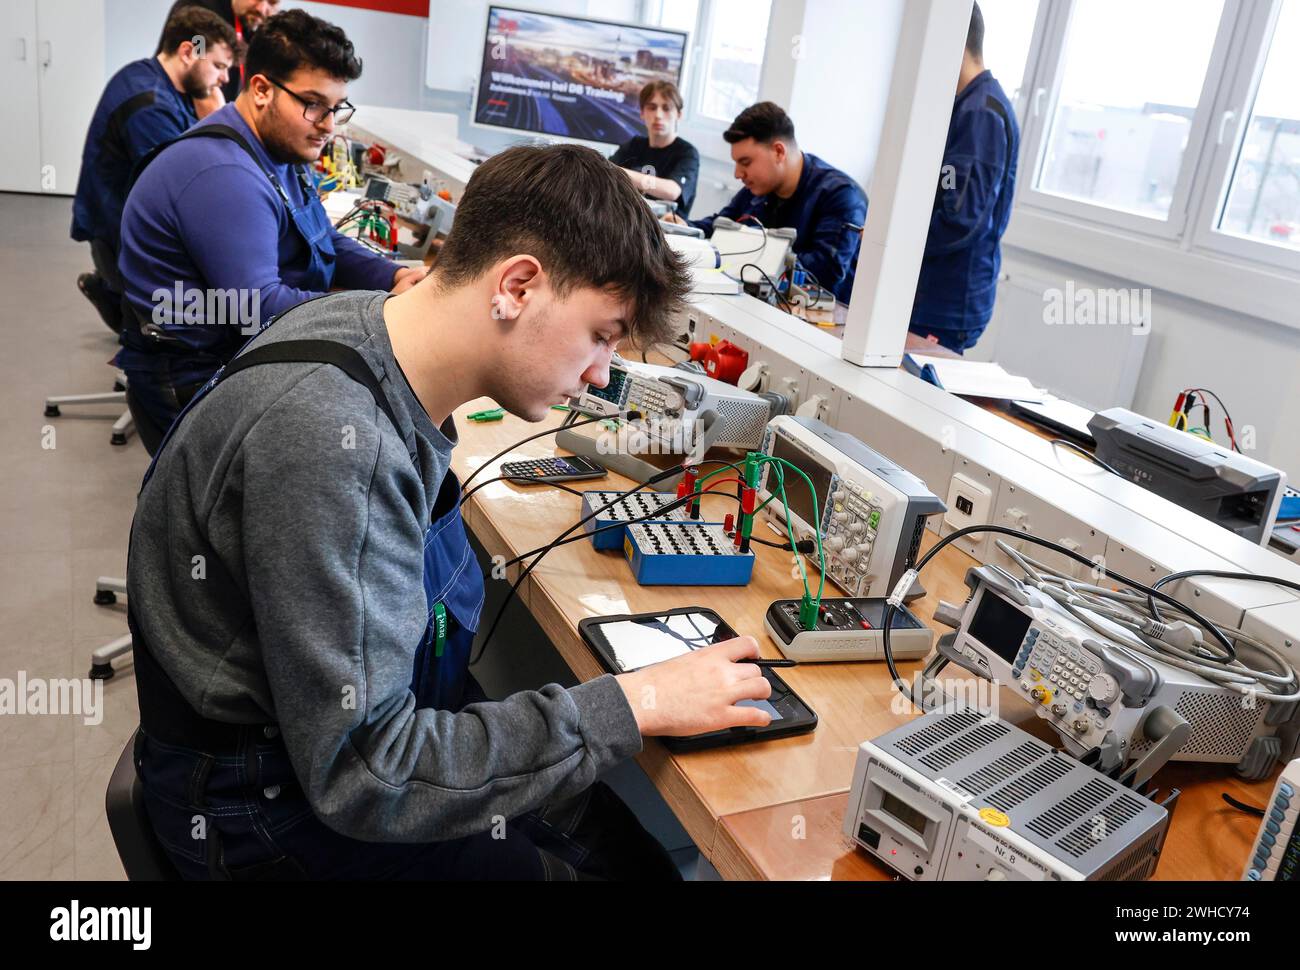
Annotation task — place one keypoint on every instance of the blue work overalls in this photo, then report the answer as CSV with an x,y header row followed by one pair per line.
x,y
166,382
237,778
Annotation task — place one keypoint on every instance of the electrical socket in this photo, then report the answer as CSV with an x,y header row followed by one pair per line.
x,y
969,503
1020,509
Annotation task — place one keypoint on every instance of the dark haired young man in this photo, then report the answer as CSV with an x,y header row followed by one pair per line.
x,y
786,187
145,104
661,164
234,223
308,700
244,18
972,208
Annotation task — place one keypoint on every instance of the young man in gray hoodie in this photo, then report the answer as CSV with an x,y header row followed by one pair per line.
x,y
303,598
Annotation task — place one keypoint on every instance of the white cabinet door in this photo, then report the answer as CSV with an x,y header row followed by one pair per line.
x,y
20,111
71,59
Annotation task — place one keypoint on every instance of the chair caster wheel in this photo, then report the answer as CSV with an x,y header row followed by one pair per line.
x,y
51,410
105,597
117,439
101,671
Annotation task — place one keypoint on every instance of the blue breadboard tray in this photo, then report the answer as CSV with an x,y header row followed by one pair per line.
x,y
634,506
685,554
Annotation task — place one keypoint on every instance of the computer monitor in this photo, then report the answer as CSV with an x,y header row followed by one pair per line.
x,y
571,77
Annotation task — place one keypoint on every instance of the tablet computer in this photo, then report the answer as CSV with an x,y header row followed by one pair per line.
x,y
1066,419
628,643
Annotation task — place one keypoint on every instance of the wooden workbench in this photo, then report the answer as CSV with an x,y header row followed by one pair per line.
x,y
772,810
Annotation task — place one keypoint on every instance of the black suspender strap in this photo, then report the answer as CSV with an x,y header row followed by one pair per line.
x,y
217,131
164,713
339,355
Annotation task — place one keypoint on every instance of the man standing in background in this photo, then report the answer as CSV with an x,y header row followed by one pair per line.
x,y
977,184
244,17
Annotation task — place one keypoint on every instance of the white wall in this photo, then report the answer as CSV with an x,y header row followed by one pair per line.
x,y
843,57
1252,364
131,29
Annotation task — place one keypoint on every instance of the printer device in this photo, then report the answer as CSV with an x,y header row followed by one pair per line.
x,y
1224,486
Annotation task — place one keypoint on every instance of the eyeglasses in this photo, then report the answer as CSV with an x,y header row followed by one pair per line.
x,y
315,112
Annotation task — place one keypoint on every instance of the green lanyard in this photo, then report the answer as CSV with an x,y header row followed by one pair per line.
x,y
439,628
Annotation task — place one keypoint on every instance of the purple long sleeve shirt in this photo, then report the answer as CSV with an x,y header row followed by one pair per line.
x,y
204,217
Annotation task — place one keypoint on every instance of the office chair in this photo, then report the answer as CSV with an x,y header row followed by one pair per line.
x,y
122,427
142,855
108,588
103,289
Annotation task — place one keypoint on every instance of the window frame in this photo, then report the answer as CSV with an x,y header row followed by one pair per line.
x,y
695,123
1044,94
1234,107
1032,58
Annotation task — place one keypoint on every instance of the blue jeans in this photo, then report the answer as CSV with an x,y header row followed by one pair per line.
x,y
958,341
157,395
241,815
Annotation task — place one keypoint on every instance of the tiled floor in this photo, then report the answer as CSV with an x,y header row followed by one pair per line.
x,y
65,512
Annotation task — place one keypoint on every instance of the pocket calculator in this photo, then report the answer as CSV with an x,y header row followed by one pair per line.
x,y
547,470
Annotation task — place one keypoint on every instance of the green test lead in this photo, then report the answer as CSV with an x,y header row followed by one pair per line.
x,y
808,612
752,473
497,414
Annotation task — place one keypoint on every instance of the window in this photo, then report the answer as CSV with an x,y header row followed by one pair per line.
x,y
730,38
675,14
1130,88
1263,201
733,59
1008,38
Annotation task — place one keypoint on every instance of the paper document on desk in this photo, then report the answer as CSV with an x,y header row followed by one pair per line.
x,y
712,281
338,204
976,378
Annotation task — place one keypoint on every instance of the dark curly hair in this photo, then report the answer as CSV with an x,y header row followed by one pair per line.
x,y
295,39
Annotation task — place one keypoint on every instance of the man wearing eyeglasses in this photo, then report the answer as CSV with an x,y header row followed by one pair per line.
x,y
223,231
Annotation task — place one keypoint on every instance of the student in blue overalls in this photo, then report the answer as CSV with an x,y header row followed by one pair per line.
x,y
223,230
303,598
787,187
146,104
972,207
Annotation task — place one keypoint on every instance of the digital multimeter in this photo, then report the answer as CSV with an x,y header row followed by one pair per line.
x,y
848,629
